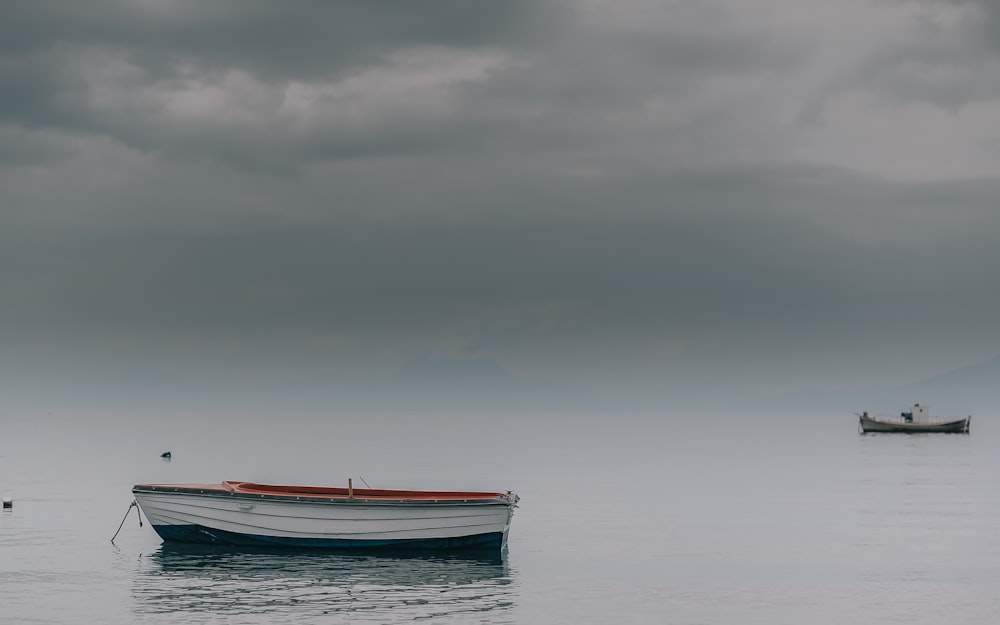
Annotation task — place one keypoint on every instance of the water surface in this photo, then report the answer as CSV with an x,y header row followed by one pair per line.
x,y
652,518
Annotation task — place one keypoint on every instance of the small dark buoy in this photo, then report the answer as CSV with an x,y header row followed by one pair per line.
x,y
8,502
165,455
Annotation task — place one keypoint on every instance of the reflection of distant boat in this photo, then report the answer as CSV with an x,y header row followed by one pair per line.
x,y
247,514
914,421
287,584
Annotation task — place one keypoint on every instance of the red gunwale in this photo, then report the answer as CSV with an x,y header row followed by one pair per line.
x,y
324,492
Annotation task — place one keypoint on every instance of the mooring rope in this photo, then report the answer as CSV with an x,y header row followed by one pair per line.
x,y
122,524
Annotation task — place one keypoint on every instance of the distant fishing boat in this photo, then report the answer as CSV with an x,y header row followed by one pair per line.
x,y
248,514
913,421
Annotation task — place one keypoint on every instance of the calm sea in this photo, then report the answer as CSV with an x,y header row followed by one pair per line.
x,y
672,518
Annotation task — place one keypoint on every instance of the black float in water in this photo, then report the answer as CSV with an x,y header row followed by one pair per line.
x,y
165,455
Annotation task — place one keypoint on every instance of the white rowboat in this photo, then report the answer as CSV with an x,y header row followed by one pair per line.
x,y
248,514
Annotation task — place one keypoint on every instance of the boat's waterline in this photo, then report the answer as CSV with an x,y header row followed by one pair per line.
x,y
199,534
248,514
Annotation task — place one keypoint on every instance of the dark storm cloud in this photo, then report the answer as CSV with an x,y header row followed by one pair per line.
x,y
271,86
278,41
117,68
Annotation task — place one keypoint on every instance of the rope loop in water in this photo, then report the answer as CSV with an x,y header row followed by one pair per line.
x,y
135,505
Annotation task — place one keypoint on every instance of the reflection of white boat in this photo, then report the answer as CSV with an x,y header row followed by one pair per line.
x,y
913,421
243,513
190,582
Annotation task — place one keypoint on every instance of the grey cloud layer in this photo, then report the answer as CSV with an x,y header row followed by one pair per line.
x,y
580,190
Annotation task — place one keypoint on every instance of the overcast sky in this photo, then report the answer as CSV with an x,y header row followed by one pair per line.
x,y
642,197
